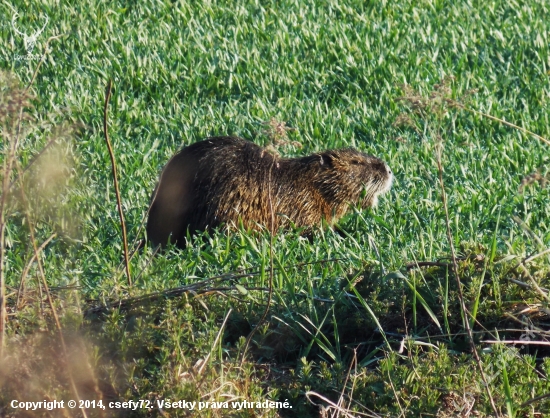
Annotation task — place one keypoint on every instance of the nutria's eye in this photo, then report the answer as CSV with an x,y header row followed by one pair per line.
x,y
356,162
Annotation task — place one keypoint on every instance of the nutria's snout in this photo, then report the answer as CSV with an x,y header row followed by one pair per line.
x,y
382,183
230,181
379,185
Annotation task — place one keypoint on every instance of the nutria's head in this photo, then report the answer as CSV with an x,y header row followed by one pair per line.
x,y
347,174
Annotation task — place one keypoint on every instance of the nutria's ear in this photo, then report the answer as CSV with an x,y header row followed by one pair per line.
x,y
326,159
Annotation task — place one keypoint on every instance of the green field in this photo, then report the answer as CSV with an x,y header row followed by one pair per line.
x,y
364,320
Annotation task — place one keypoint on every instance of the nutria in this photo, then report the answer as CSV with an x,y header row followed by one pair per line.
x,y
229,181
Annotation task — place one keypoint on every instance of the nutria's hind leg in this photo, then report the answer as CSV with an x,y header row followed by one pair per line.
x,y
163,225
169,218
173,200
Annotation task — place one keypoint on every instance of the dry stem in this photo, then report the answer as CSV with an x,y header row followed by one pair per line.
x,y
115,179
461,106
27,268
52,307
220,331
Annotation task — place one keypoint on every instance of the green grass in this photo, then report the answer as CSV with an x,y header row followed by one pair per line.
x,y
333,71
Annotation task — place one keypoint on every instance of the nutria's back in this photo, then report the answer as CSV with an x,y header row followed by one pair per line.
x,y
227,180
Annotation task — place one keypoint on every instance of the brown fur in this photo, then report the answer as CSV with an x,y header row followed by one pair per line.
x,y
227,180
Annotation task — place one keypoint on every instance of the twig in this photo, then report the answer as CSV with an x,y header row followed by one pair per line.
x,y
3,316
538,398
526,285
535,284
515,342
395,395
57,323
9,161
526,260
528,230
155,251
413,265
373,244
263,289
49,296
115,179
415,338
419,264
194,287
197,288
534,256
28,266
36,157
373,414
220,331
345,412
7,168
51,38
351,364
461,106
